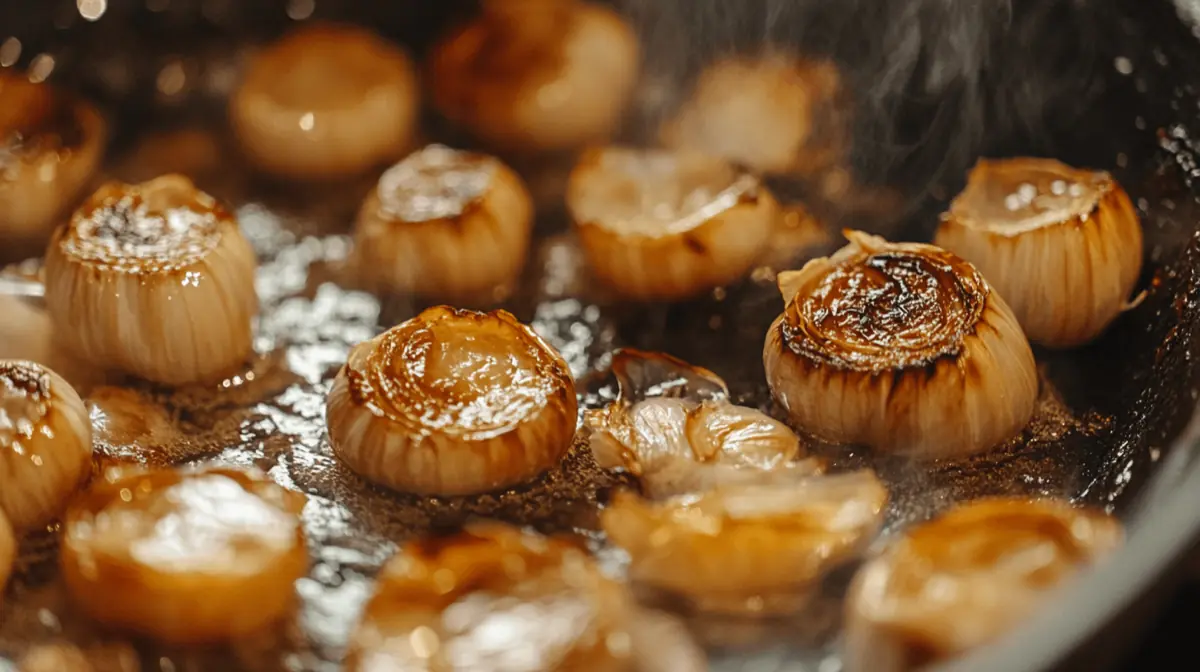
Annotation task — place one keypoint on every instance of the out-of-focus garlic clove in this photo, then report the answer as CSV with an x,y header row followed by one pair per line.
x,y
8,552
50,146
452,402
967,577
1063,246
324,102
156,280
185,556
774,114
537,75
445,224
661,225
45,443
901,347
748,547
438,603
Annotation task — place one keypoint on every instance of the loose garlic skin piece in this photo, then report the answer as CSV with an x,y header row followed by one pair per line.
x,y
532,76
452,402
8,553
759,547
966,578
45,444
185,556
325,102
439,602
446,225
664,226
50,146
1063,246
155,280
900,347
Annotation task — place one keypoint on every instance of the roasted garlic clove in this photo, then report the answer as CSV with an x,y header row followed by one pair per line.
x,y
185,556
774,114
324,102
537,75
156,280
901,347
439,604
748,547
45,443
452,402
659,225
1063,246
966,578
50,145
445,224
8,552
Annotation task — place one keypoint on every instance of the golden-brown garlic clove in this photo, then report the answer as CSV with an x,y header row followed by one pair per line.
x,y
537,75
748,547
8,552
967,577
439,602
1063,246
45,443
661,225
324,102
901,347
185,556
156,280
444,224
452,402
50,146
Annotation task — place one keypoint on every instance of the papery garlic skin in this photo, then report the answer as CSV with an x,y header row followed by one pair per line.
x,y
325,102
662,226
901,347
966,578
531,76
45,443
452,402
1063,246
748,546
155,280
185,556
445,224
437,600
8,553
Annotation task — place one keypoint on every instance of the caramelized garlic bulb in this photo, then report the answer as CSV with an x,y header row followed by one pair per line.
x,y
8,553
324,102
439,604
660,225
156,280
445,224
50,145
901,347
748,547
775,114
966,578
45,443
452,402
185,556
1063,246
537,75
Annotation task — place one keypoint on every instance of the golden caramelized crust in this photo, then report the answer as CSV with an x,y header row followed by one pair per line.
x,y
25,402
434,183
1010,197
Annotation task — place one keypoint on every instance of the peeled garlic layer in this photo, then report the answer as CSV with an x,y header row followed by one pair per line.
x,y
325,101
50,145
900,347
156,280
445,224
452,402
748,547
440,603
661,225
536,75
45,443
1063,246
966,578
185,556
8,553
